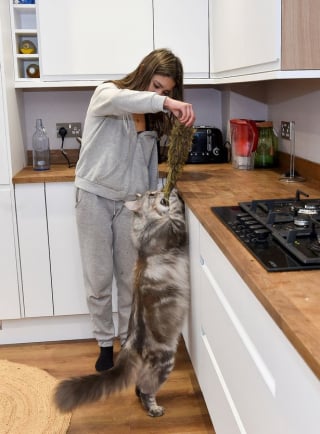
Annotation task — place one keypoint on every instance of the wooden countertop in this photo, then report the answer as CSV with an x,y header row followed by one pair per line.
x,y
291,298
57,173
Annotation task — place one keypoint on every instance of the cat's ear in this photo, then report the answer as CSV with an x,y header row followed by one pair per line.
x,y
133,205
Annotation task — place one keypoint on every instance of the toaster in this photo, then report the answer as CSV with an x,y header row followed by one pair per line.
x,y
207,146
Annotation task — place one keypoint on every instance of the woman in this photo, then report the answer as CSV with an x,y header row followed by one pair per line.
x,y
118,159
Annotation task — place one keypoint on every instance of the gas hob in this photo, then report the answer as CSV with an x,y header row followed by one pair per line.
x,y
282,234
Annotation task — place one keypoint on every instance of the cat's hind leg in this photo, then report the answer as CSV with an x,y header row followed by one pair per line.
x,y
149,402
146,389
150,379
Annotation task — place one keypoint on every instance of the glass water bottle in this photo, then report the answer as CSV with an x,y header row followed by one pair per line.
x,y
41,150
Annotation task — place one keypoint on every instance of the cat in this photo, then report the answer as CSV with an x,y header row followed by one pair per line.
x,y
160,303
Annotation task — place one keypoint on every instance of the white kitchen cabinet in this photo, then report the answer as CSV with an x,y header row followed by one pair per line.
x,y
192,327
109,38
51,269
52,277
9,286
92,40
10,297
182,26
279,38
245,36
69,295
251,377
34,251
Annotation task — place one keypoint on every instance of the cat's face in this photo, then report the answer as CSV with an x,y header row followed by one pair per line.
x,y
151,201
158,224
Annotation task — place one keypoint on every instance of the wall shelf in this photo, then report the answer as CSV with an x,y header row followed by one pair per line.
x,y
24,27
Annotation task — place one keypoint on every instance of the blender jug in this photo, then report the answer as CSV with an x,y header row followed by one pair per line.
x,y
244,140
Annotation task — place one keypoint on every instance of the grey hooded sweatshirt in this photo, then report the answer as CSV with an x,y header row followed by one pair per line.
x,y
115,161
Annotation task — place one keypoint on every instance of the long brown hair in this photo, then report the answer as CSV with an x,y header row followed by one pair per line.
x,y
163,62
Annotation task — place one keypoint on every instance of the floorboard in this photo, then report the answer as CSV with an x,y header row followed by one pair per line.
x,y
186,412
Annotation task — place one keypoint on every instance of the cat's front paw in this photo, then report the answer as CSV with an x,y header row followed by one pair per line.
x,y
156,411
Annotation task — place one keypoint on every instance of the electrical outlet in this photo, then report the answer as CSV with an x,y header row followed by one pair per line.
x,y
73,129
286,129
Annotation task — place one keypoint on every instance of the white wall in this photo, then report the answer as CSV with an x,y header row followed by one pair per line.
x,y
299,101
207,105
246,101
279,100
55,106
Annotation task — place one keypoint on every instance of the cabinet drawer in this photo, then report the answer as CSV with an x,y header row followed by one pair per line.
x,y
248,378
224,415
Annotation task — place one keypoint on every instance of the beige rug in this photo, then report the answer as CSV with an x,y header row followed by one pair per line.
x,y
26,405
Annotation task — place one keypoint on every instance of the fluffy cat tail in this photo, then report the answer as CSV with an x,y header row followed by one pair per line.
x,y
77,391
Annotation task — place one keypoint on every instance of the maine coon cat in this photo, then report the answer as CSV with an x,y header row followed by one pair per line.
x,y
160,302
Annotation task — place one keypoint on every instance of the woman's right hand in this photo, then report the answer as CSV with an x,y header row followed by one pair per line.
x,y
183,111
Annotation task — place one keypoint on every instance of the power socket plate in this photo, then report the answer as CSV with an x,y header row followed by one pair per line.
x,y
73,128
286,130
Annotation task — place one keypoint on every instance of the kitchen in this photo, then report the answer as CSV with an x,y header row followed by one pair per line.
x,y
265,96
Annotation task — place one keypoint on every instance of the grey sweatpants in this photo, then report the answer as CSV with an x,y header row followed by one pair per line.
x,y
104,228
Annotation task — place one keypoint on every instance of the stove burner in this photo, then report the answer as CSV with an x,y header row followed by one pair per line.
x,y
309,211
306,208
301,222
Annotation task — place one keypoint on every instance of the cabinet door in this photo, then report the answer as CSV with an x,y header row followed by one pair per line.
x,y
34,249
182,26
245,36
93,40
221,408
238,365
67,283
9,289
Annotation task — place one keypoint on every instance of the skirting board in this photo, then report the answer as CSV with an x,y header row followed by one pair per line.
x,y
48,329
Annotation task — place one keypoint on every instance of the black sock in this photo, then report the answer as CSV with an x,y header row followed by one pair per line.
x,y
105,359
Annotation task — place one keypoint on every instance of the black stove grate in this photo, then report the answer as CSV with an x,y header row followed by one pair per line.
x,y
282,234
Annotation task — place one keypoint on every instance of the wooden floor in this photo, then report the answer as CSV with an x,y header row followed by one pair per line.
x,y
186,411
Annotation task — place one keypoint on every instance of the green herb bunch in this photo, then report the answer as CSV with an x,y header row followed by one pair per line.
x,y
179,145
